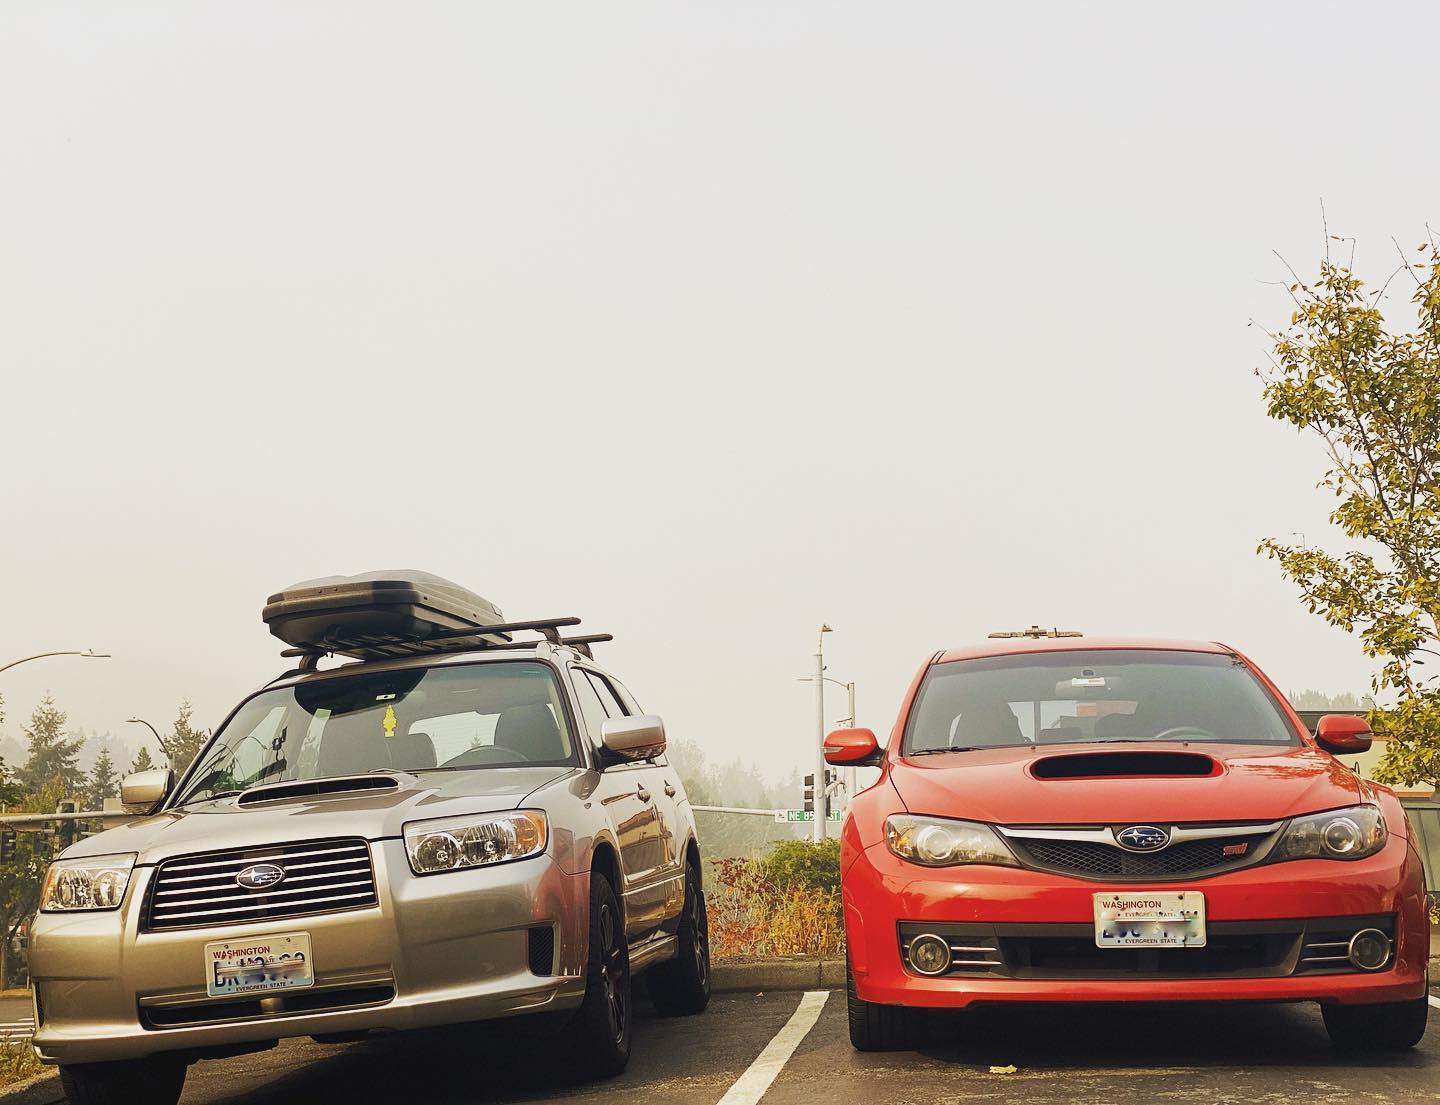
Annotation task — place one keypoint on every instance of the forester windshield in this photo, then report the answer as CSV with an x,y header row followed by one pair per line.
x,y
504,714
1107,696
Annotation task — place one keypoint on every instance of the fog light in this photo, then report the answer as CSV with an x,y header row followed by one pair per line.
x,y
929,955
1369,949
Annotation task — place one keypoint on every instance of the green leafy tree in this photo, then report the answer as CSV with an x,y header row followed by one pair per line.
x,y
1371,394
20,877
52,755
185,740
104,782
143,762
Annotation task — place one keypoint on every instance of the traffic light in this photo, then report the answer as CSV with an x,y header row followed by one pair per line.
x,y
810,792
7,845
67,829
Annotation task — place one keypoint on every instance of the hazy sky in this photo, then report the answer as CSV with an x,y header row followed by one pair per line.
x,y
704,322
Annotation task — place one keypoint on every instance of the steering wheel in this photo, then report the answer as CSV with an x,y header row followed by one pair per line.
x,y
488,753
1169,734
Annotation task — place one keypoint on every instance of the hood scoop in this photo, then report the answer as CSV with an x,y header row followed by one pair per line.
x,y
316,788
1101,765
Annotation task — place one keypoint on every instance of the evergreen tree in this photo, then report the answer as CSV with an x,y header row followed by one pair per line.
x,y
143,762
185,740
51,755
104,783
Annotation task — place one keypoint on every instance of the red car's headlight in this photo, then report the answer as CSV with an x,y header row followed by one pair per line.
x,y
941,842
1351,833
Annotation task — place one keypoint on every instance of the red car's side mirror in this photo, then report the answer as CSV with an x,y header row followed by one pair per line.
x,y
852,748
1342,734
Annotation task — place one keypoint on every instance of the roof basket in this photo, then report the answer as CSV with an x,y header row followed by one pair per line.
x,y
384,615
1036,632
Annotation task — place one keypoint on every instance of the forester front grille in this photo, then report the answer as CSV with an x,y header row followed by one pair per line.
x,y
320,876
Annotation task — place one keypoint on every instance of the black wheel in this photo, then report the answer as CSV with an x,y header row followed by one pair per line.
x,y
1391,1027
153,1081
682,986
602,1023
878,1027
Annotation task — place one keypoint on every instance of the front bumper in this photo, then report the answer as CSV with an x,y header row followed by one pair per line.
x,y
886,897
442,949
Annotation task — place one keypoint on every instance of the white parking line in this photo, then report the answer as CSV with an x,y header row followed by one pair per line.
x,y
1435,1001
750,1087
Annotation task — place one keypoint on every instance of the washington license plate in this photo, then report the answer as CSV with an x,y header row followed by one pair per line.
x,y
1150,919
279,962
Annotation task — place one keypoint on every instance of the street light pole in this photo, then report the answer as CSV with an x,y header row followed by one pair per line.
x,y
88,653
819,788
158,738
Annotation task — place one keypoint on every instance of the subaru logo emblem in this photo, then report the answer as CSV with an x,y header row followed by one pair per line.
x,y
1142,838
260,876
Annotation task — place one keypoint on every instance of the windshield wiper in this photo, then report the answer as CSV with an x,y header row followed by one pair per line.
x,y
207,798
937,751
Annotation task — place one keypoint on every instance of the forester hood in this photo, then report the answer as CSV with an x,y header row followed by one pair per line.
x,y
281,813
1096,784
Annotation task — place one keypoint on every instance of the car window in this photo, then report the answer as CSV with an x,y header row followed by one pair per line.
x,y
1112,695
496,714
608,698
632,707
591,708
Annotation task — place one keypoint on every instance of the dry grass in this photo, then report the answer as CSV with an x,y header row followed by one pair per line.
x,y
753,914
17,1061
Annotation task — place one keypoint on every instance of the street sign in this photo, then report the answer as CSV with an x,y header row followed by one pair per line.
x,y
783,817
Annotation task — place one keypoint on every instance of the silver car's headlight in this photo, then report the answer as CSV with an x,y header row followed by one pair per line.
x,y
482,840
86,883
941,842
1352,833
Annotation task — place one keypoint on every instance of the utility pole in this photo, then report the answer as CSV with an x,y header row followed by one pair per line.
x,y
819,834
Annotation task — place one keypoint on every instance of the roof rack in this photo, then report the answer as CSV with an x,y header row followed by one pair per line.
x,y
478,638
1036,632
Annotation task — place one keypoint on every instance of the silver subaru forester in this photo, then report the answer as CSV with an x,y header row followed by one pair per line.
x,y
442,837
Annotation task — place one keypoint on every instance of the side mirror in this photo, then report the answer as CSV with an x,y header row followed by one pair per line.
x,y
853,748
634,738
143,791
1342,734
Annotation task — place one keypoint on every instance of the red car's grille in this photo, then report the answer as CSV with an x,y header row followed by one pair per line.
x,y
1086,858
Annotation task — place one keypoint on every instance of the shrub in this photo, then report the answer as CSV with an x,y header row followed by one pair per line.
x,y
800,863
784,903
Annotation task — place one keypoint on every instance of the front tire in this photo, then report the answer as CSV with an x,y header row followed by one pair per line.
x,y
602,1027
1394,1026
876,1027
681,987
156,1080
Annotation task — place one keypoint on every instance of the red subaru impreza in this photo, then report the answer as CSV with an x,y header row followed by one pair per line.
x,y
1071,820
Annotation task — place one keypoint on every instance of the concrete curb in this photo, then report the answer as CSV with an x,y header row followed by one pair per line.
x,y
40,1089
730,976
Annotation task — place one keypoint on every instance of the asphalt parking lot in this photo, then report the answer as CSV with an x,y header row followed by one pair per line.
x,y
1131,1053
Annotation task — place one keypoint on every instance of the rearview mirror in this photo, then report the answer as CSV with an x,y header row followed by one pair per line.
x,y
143,791
852,748
1343,734
634,738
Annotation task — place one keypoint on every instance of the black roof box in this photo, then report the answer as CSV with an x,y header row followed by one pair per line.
x,y
378,613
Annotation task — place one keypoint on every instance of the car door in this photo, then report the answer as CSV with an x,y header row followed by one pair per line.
x,y
664,793
629,808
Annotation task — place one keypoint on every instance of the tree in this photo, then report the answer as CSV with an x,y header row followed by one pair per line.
x,y
184,741
104,783
52,756
20,877
1372,396
143,762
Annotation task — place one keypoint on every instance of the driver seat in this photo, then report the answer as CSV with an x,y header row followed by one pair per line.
x,y
532,732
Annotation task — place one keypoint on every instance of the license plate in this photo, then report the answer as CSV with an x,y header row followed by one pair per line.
x,y
1150,919
280,962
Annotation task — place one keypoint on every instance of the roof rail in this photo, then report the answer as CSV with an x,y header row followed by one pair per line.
x,y
464,639
1036,632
